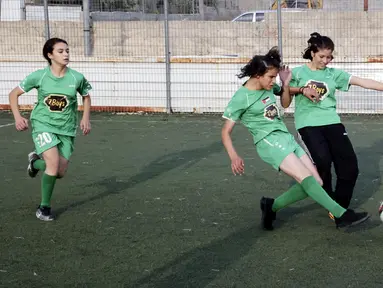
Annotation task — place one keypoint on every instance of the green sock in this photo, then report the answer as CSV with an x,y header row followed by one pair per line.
x,y
319,195
47,185
39,165
294,194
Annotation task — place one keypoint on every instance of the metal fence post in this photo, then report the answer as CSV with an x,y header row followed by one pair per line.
x,y
279,16
46,19
167,58
86,16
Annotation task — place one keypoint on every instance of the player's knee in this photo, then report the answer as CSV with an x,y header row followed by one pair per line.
x,y
355,172
302,174
62,171
305,172
52,167
323,163
60,175
349,172
319,180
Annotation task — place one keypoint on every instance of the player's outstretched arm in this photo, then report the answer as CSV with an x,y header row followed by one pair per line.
x,y
366,83
20,122
85,121
237,164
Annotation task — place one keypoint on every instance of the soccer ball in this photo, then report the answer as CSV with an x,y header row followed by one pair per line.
x,y
381,211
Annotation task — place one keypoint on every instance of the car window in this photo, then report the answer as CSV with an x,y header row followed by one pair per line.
x,y
259,17
246,18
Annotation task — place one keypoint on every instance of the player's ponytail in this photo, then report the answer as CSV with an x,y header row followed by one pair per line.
x,y
273,56
253,68
260,64
315,43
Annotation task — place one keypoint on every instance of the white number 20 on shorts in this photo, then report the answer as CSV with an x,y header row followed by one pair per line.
x,y
44,138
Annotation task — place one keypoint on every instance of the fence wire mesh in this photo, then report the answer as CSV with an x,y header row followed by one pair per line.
x,y
209,40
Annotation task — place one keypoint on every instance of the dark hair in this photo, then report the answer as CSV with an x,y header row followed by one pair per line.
x,y
48,47
317,42
260,64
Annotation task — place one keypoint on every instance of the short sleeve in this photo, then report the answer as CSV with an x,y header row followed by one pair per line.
x,y
342,80
30,82
84,87
294,78
236,107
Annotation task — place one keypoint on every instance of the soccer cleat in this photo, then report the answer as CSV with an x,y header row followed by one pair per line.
x,y
331,216
351,218
268,215
44,213
32,157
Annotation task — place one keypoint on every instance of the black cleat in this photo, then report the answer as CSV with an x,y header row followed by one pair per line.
x,y
32,157
44,213
351,218
268,215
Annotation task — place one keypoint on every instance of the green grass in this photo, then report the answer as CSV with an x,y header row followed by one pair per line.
x,y
150,201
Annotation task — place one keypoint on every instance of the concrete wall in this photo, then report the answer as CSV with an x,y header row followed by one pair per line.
x,y
55,13
352,5
25,39
357,35
334,5
247,5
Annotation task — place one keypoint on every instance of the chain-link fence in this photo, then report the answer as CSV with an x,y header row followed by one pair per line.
x,y
183,56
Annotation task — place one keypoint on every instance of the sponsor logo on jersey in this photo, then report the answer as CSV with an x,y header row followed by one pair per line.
x,y
320,87
56,102
271,112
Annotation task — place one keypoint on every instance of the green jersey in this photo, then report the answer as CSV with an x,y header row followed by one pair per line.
x,y
325,82
56,107
257,111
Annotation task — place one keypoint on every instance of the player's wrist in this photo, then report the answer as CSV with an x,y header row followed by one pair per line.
x,y
17,116
233,155
302,89
285,82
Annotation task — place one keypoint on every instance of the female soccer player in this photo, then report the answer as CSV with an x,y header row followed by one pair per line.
x,y
53,119
317,121
255,106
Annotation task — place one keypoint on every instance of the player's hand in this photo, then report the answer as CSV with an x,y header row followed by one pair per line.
x,y
85,126
311,94
237,165
21,124
285,75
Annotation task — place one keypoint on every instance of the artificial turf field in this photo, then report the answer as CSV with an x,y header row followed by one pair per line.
x,y
150,201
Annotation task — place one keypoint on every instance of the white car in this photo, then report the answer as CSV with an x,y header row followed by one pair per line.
x,y
259,15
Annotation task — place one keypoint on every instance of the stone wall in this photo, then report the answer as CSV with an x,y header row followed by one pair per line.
x,y
357,36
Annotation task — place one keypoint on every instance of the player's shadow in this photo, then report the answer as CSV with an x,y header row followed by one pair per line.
x,y
159,166
201,265
369,180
